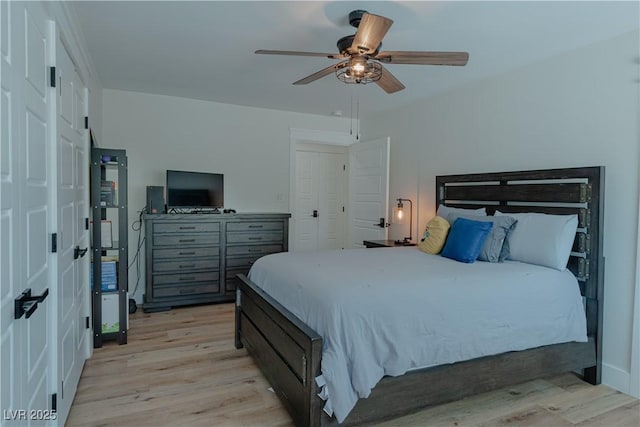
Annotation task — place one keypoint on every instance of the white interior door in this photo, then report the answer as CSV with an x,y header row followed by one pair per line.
x,y
26,206
368,191
320,197
72,209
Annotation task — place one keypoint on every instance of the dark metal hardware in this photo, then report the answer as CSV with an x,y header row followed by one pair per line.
x,y
54,242
186,265
188,228
382,223
187,240
255,226
26,304
187,253
52,76
315,214
79,253
254,238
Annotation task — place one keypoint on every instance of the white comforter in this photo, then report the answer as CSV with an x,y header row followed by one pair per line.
x,y
387,310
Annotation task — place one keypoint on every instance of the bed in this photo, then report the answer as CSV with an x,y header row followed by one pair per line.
x,y
289,351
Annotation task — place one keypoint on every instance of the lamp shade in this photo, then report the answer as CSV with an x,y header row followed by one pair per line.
x,y
399,214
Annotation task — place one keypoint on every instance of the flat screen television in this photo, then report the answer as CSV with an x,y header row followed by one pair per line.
x,y
194,190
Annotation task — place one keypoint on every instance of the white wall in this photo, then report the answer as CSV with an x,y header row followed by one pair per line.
x,y
578,109
250,146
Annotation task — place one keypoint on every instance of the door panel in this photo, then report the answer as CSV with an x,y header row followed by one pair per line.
x,y
368,190
331,199
71,154
25,204
306,231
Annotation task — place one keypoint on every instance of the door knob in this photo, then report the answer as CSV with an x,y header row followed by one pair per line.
x,y
382,223
27,304
79,253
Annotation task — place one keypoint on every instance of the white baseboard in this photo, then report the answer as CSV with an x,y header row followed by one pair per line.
x,y
616,378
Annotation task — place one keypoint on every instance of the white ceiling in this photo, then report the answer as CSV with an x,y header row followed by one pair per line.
x,y
204,50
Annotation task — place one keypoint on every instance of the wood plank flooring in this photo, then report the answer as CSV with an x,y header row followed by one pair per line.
x,y
180,368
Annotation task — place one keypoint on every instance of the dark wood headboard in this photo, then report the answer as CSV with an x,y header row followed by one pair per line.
x,y
577,191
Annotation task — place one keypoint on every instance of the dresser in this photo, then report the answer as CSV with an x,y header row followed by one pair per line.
x,y
194,258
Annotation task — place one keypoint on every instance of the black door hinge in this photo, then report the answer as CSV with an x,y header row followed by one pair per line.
x,y
86,122
52,76
54,243
54,402
86,223
86,321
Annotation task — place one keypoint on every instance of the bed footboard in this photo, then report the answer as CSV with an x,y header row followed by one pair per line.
x,y
286,350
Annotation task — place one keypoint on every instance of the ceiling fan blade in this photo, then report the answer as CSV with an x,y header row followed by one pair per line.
x,y
317,75
388,82
423,58
371,30
298,53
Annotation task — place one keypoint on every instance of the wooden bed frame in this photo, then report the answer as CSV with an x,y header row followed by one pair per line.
x,y
288,352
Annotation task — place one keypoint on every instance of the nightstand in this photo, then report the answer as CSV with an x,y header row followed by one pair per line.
x,y
384,244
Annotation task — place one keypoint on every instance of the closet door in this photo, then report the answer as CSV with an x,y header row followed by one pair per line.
x,y
72,334
26,206
321,188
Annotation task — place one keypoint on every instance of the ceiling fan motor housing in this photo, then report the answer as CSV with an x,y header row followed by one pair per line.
x,y
355,17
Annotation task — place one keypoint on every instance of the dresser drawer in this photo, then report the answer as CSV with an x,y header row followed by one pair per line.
x,y
204,276
176,291
186,227
186,239
186,265
179,253
244,262
253,226
255,237
253,249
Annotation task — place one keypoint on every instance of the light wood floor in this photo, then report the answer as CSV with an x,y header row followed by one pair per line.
x,y
180,368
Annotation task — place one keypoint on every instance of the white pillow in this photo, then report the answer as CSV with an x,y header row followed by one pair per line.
x,y
542,239
445,211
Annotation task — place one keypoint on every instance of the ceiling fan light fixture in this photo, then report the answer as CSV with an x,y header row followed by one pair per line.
x,y
359,72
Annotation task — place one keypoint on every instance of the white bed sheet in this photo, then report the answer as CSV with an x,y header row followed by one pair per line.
x,y
385,311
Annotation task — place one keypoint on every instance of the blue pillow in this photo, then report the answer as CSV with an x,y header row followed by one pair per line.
x,y
465,240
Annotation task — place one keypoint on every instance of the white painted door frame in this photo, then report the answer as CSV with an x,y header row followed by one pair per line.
x,y
299,136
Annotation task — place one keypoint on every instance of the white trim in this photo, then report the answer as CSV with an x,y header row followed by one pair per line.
x,y
616,378
634,376
322,136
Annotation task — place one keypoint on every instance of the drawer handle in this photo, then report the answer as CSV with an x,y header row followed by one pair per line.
x,y
187,240
255,238
188,228
256,250
256,226
187,265
185,279
187,291
187,253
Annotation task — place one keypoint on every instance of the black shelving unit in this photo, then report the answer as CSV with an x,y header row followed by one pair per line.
x,y
109,244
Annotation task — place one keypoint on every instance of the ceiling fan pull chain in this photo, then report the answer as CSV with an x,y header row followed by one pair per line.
x,y
357,119
351,115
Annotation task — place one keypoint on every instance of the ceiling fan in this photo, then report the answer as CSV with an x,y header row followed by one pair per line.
x,y
361,57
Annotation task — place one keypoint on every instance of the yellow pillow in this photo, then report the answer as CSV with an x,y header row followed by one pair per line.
x,y
435,235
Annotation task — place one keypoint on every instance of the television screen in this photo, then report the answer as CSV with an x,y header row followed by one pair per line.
x,y
194,189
